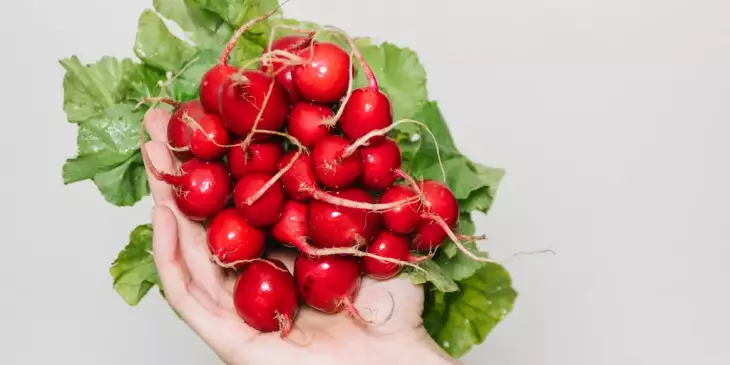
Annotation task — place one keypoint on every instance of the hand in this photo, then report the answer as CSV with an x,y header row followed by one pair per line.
x,y
201,292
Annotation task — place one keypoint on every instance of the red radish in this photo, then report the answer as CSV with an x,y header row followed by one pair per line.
x,y
391,246
367,110
283,73
291,229
210,85
261,156
439,203
332,225
232,241
325,77
330,168
308,122
193,130
328,283
242,102
265,210
405,218
379,164
265,296
201,190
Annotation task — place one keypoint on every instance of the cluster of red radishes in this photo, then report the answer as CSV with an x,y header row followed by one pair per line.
x,y
303,175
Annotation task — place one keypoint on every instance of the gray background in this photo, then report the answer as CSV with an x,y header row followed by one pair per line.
x,y
611,118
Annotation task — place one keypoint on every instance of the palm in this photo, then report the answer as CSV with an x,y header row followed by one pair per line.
x,y
202,293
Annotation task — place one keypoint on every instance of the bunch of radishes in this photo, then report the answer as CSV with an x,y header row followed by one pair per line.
x,y
308,164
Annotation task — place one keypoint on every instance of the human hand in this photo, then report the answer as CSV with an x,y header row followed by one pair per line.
x,y
201,292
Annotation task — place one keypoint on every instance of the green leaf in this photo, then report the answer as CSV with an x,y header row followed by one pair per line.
x,y
460,266
481,199
125,184
134,271
433,274
399,73
159,48
89,90
474,185
206,29
108,153
237,12
186,84
461,319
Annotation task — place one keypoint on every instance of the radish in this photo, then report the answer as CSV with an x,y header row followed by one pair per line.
x,y
391,246
210,85
325,75
250,100
283,73
291,229
265,296
328,283
260,211
192,129
367,109
232,241
330,168
261,156
331,225
308,122
201,189
440,212
380,163
405,218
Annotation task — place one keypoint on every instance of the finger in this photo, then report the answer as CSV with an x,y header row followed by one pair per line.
x,y
194,307
173,274
193,239
155,121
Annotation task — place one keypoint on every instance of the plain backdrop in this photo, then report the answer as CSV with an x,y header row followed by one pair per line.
x,y
611,118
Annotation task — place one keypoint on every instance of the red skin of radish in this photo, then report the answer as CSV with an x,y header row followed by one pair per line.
x,y
202,190
205,140
440,201
326,282
231,239
210,86
261,156
265,292
307,122
329,167
386,245
299,180
367,109
325,78
283,74
291,229
334,226
266,210
379,163
241,101
404,219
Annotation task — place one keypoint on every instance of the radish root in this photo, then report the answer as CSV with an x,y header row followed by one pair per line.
x,y
440,221
354,313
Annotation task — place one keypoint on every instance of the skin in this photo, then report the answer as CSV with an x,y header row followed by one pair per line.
x,y
202,295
